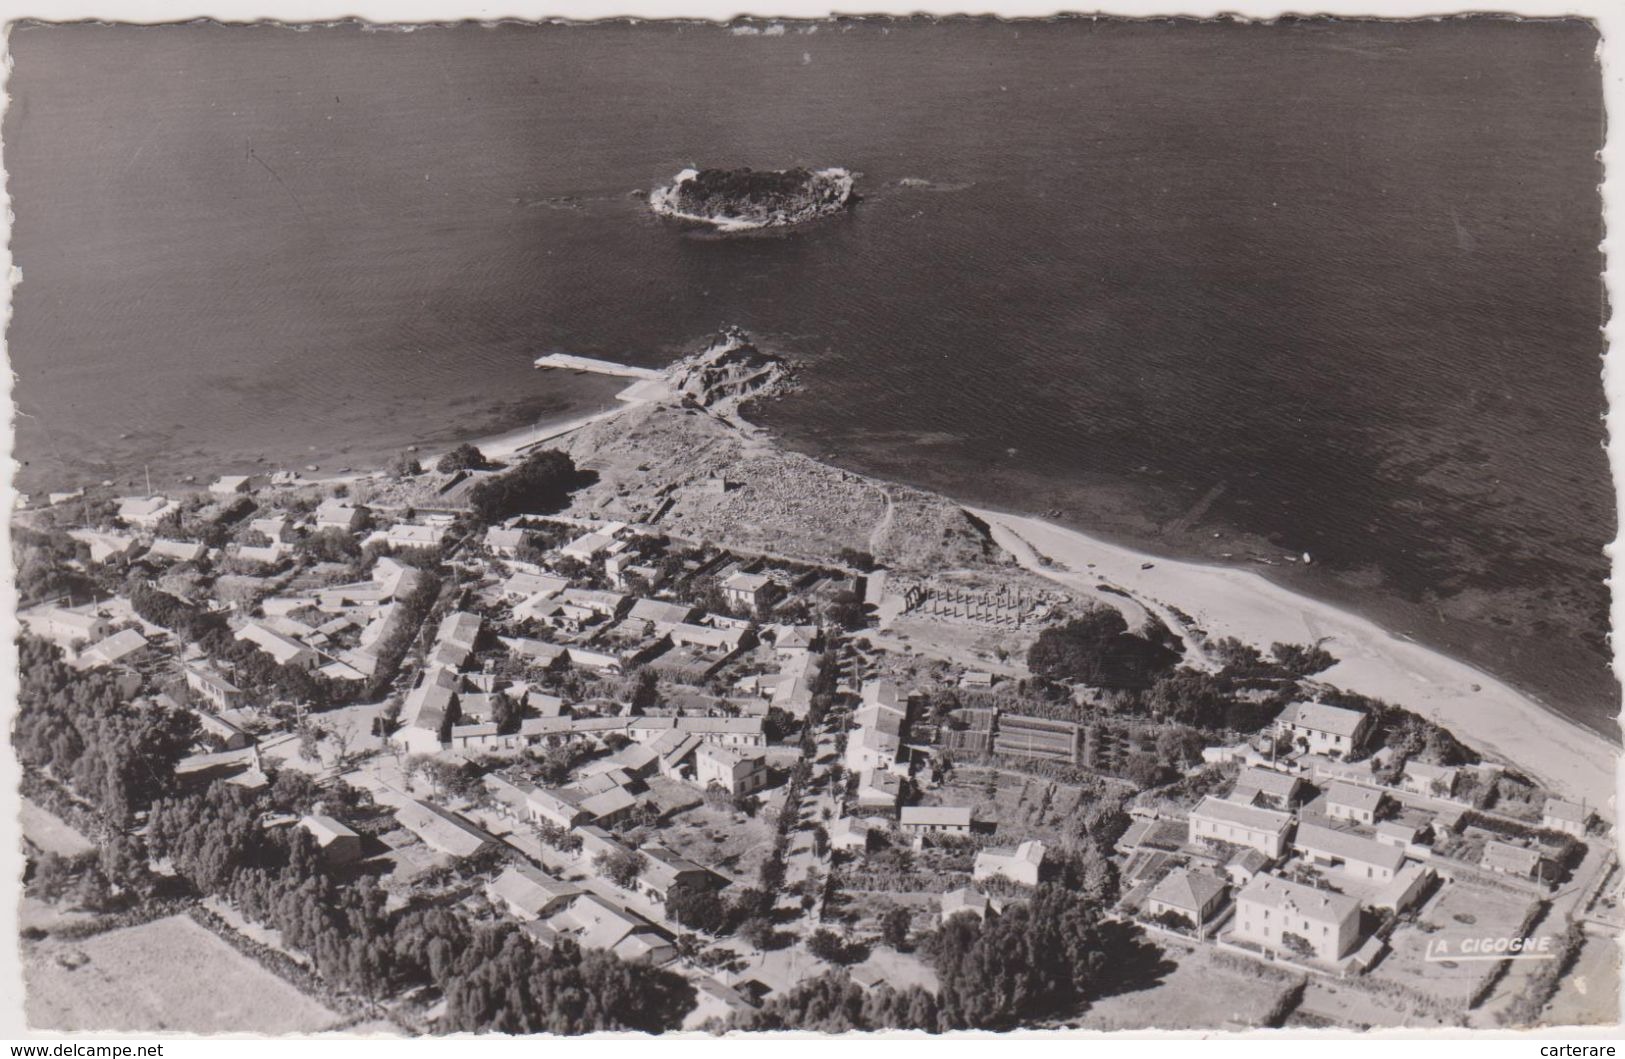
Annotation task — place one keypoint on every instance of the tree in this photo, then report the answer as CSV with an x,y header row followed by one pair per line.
x,y
405,465
645,690
540,484
827,945
698,908
463,457
1097,649
621,866
845,610
1302,661
894,927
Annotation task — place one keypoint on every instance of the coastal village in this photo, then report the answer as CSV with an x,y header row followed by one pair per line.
x,y
616,692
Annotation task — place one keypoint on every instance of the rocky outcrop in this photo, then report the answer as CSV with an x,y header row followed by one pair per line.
x,y
730,370
742,199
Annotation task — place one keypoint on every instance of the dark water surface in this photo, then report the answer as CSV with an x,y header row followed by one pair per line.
x,y
1324,287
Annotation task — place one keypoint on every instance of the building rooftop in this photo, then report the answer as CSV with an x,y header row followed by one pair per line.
x,y
1347,846
1251,816
1333,720
1187,889
1319,906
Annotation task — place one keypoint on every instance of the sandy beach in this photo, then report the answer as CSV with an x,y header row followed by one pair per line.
x,y
1494,718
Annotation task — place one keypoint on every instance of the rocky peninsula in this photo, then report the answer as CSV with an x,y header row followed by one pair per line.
x,y
744,199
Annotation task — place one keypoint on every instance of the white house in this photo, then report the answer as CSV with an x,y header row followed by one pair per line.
x,y
1321,728
1021,864
1288,917
1218,820
65,626
144,511
336,514
934,820
1345,801
1359,857
745,590
406,535
1188,894
1568,817
726,768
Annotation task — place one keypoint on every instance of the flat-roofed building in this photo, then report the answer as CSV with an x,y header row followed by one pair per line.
x,y
406,535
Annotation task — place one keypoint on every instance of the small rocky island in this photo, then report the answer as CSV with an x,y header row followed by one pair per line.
x,y
741,199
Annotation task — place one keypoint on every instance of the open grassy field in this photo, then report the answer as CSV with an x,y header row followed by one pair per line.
x,y
1200,992
719,839
167,975
1589,993
50,832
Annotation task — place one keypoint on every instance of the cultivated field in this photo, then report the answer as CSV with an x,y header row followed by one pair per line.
x,y
167,975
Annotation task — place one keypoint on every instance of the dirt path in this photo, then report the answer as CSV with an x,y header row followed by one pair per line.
x,y
882,530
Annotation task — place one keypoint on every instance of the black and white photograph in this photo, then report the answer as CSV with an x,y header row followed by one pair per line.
x,y
873,523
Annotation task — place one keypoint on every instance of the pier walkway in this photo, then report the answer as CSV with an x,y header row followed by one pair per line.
x,y
572,362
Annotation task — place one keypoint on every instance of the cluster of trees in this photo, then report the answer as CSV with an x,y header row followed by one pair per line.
x,y
749,912
185,619
464,457
116,755
771,874
410,612
41,561
1098,649
493,978
1039,960
540,484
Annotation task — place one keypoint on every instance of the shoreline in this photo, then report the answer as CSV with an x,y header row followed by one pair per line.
x,y
1496,719
1110,522
1487,713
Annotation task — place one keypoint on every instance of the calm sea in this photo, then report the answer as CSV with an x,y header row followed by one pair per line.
x,y
1226,290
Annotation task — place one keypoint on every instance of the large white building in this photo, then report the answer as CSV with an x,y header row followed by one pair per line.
x,y
1297,920
1219,820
